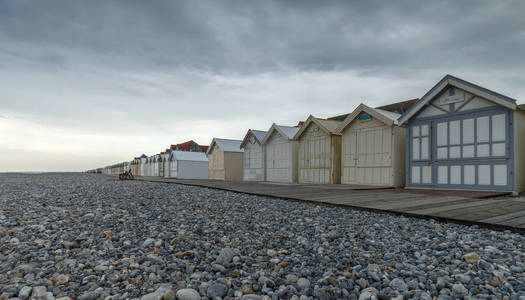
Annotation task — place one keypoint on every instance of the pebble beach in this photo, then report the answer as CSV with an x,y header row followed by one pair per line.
x,y
90,236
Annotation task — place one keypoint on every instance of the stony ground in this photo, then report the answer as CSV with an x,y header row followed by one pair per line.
x,y
92,237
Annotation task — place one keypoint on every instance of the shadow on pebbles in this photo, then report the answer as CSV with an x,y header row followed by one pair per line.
x,y
89,236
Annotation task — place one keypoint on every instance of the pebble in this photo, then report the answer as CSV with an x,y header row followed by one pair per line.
x,y
217,290
188,294
90,237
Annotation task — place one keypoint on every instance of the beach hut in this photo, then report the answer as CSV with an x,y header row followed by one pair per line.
x,y
281,153
253,155
188,165
166,162
373,148
160,162
225,159
156,165
319,151
464,136
141,162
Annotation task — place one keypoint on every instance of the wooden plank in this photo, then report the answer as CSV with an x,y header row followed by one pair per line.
x,y
504,217
433,210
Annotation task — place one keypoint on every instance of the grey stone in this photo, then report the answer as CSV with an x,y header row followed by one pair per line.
x,y
303,283
25,292
188,294
217,290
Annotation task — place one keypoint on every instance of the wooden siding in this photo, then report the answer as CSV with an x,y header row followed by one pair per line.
x,y
319,156
367,150
253,161
281,159
216,163
232,165
519,152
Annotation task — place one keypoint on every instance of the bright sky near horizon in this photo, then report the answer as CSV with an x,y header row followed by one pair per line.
x,y
87,84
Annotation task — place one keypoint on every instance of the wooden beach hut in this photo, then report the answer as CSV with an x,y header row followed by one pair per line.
x,y
463,136
373,148
281,152
319,151
253,155
225,159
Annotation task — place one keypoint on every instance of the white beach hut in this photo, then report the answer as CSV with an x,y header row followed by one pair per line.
x,y
253,155
281,153
188,165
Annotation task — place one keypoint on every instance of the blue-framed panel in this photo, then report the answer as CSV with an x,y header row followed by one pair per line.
x,y
491,163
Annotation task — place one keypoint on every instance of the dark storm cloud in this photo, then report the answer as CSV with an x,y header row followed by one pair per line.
x,y
258,36
118,78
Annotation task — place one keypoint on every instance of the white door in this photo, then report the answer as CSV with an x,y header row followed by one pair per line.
x,y
278,161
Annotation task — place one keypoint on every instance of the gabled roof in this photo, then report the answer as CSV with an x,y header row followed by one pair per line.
x,y
188,156
472,88
387,117
204,148
286,131
338,118
398,107
258,134
186,146
329,126
226,145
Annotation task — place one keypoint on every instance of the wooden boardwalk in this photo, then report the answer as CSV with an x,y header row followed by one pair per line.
x,y
462,207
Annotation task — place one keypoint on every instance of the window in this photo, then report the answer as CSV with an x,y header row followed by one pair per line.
x,y
455,174
420,142
482,137
416,176
469,174
443,174
500,174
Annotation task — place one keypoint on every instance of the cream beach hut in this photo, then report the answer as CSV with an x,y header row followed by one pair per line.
x,y
464,136
373,148
319,151
225,159
281,153
253,155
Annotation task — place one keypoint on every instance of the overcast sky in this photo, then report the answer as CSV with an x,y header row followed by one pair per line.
x,y
84,84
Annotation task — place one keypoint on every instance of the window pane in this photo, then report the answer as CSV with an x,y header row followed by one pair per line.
x,y
442,153
415,148
468,175
442,134
455,152
415,175
498,149
482,127
415,131
443,175
424,148
468,151
455,174
424,130
498,127
500,174
483,150
484,174
427,174
454,133
468,131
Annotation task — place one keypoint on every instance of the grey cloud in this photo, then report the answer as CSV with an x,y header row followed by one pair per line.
x,y
246,37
